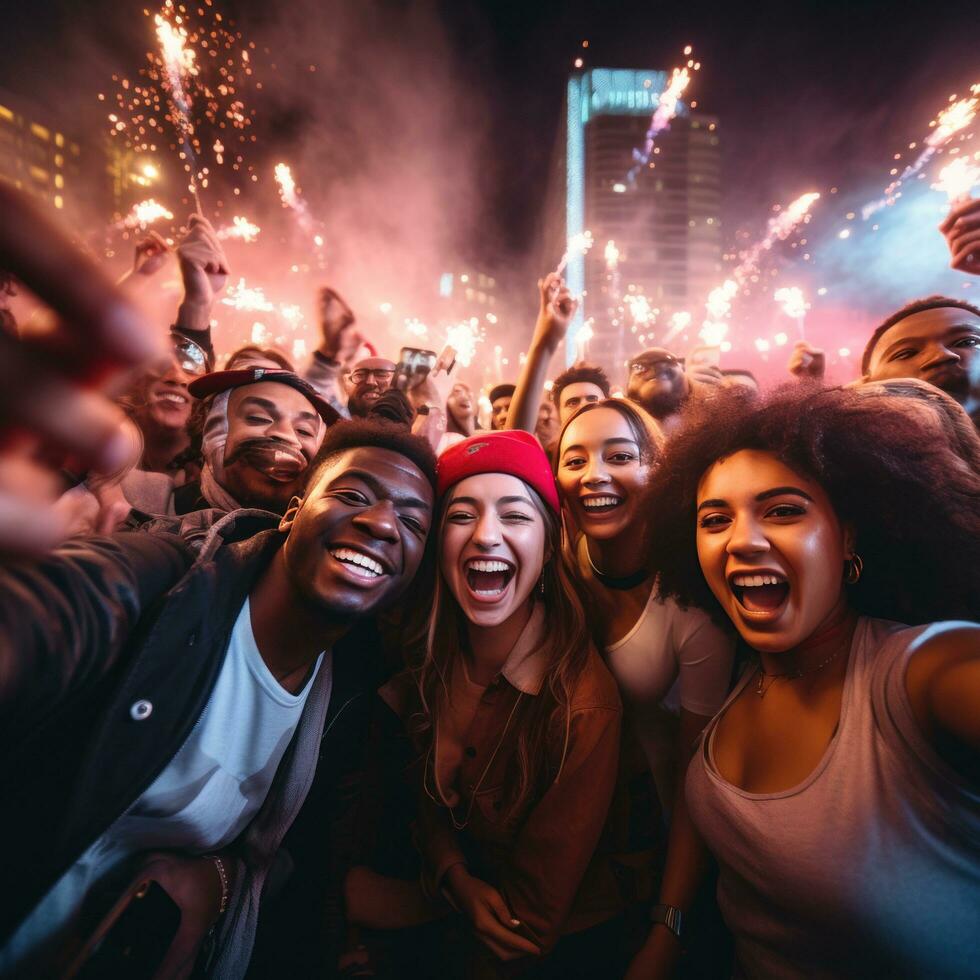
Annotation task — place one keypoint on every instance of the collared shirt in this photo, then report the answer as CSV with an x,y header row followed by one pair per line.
x,y
543,857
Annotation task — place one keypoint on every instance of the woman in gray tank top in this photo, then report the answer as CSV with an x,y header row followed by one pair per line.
x,y
838,788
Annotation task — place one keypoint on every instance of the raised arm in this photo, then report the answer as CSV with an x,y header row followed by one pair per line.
x,y
555,313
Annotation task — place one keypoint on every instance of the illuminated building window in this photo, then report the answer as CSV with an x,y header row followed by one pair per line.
x,y
59,201
74,149
59,181
40,132
464,278
59,139
469,293
40,175
446,284
5,113
59,160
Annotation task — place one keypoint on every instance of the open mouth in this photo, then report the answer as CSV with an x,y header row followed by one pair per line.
x,y
359,563
760,592
488,577
602,504
171,398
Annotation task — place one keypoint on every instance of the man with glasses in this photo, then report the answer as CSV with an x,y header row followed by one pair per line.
x,y
367,382
658,384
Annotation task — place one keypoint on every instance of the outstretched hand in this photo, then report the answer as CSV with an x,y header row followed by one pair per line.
x,y
557,308
150,254
54,404
961,229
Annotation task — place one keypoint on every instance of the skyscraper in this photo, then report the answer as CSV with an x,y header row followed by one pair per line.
x,y
665,224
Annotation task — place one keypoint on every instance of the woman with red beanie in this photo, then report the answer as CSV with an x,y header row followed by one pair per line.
x,y
516,722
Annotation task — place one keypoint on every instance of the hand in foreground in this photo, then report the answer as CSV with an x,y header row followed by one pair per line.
x,y
488,914
701,367
807,362
961,229
195,886
340,341
53,385
556,310
204,270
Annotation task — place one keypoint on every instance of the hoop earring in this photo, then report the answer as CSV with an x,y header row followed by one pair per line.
x,y
853,567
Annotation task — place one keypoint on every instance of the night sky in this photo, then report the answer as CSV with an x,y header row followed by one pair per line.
x,y
432,129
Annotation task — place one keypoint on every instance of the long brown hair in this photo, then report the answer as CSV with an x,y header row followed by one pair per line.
x,y
541,722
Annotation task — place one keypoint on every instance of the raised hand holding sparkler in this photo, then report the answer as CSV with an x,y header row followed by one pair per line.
x,y
340,342
806,362
961,229
204,270
557,308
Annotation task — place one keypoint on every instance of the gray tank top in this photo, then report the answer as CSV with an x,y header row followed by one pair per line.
x,y
871,866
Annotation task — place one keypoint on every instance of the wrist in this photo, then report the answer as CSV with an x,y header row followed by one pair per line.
x,y
194,314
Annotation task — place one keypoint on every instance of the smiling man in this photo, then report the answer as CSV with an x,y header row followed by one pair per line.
x,y
204,721
262,429
934,339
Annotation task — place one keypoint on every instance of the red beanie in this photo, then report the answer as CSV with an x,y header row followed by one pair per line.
x,y
511,451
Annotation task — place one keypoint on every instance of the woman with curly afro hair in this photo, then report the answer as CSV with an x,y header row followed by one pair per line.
x,y
838,788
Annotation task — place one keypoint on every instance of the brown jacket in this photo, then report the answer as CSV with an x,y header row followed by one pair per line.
x,y
543,858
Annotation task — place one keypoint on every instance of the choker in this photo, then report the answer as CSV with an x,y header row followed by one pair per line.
x,y
621,584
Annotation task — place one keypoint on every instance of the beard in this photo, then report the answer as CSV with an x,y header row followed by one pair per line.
x,y
660,398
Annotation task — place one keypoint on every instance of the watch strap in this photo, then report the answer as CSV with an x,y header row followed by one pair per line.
x,y
668,915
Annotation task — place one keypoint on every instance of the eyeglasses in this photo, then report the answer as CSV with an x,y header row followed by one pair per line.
x,y
383,376
645,367
191,358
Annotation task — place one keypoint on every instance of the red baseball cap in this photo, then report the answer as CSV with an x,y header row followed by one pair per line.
x,y
211,384
510,451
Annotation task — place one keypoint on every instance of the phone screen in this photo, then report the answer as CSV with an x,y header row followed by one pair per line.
x,y
413,365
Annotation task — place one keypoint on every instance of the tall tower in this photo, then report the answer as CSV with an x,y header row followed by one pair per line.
x,y
666,225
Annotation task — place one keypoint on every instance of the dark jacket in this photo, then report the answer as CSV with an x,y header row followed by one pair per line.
x,y
107,623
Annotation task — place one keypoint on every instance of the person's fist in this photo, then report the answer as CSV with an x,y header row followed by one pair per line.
x,y
557,308
203,265
340,342
961,229
807,362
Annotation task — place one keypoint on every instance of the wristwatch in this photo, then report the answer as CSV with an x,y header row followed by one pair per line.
x,y
428,409
668,915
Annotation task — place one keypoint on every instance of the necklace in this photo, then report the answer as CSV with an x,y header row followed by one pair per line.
x,y
623,583
762,687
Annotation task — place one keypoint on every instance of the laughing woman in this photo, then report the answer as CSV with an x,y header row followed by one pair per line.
x,y
516,719
839,787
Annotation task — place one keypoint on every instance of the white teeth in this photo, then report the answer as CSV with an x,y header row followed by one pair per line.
x,y
488,591
362,561
488,566
755,581
170,396
594,502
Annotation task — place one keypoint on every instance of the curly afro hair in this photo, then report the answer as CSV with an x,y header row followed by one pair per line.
x,y
889,469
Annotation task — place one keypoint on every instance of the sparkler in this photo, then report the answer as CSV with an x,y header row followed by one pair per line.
x,y
292,199
463,338
679,321
957,179
779,229
240,228
611,255
582,337
193,84
577,245
952,120
178,61
145,213
641,312
666,110
415,327
793,304
250,298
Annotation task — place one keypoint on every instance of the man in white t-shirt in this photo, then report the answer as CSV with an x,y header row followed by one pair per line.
x,y
168,720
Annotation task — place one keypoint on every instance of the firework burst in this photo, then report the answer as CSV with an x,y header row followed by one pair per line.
x,y
240,228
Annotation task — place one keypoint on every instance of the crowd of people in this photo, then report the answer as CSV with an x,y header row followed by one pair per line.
x,y
320,670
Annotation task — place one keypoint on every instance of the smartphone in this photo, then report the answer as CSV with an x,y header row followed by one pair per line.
x,y
413,365
134,945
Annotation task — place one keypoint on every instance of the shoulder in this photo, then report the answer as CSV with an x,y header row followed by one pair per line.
x,y
595,687
401,695
692,627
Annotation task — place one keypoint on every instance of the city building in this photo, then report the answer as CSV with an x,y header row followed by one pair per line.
x,y
35,153
665,223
